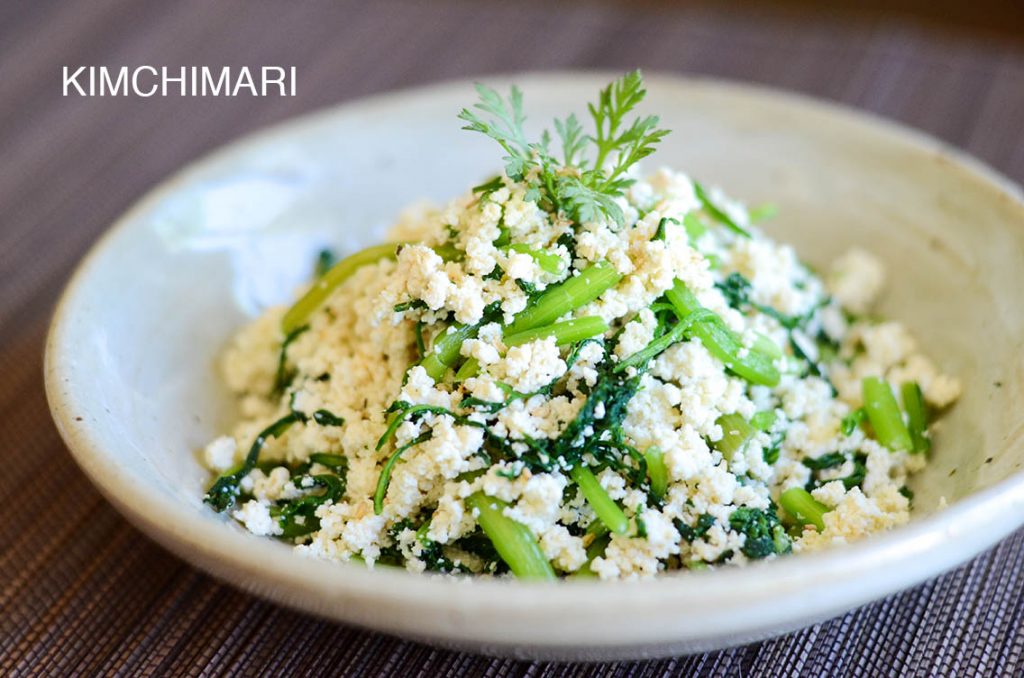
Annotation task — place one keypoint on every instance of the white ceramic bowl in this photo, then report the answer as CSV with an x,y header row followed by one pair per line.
x,y
130,377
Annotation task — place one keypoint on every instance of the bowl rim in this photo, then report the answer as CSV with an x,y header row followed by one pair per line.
x,y
741,603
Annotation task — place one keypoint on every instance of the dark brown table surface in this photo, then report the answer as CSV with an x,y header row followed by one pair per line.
x,y
81,591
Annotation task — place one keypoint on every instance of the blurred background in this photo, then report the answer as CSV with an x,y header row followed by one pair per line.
x,y
81,589
954,69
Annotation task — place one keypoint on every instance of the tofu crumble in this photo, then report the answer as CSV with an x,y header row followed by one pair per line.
x,y
576,370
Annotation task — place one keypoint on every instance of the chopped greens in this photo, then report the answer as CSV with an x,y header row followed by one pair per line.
x,y
690,534
224,491
385,474
298,517
852,421
834,460
284,375
325,259
825,461
765,535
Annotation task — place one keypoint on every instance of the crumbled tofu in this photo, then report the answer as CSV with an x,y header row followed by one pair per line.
x,y
528,367
416,443
564,550
219,455
637,334
855,280
255,515
853,516
639,557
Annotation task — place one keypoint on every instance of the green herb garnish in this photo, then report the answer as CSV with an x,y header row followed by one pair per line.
x,y
582,188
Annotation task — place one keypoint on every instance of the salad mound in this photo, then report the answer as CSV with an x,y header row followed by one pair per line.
x,y
576,370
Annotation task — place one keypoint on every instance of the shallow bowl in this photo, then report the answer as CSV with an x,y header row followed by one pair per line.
x,y
130,357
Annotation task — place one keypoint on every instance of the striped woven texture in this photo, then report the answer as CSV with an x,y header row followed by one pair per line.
x,y
84,593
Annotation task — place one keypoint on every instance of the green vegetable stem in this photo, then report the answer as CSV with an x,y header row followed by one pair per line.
x,y
513,541
884,415
803,508
322,287
711,330
565,297
604,506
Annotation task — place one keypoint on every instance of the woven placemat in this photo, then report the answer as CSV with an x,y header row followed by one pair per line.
x,y
82,592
